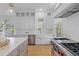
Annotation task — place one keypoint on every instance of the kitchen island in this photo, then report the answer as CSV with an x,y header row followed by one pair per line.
x,y
16,47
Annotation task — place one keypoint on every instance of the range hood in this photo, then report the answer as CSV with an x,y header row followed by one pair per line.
x,y
72,9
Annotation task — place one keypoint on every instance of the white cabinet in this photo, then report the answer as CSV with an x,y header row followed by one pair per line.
x,y
40,39
20,50
13,53
40,17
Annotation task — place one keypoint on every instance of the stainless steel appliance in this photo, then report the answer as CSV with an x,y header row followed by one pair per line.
x,y
72,47
31,39
58,50
58,45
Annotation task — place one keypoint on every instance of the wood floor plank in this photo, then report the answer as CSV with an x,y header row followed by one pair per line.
x,y
39,50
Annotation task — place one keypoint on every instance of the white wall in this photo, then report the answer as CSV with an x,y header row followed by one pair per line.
x,y
71,27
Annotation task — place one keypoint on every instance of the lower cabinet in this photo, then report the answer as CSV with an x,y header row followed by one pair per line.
x,y
13,53
20,50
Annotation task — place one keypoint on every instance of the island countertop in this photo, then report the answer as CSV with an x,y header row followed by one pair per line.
x,y
13,44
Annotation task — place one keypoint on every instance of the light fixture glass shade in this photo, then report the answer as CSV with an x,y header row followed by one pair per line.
x,y
11,7
11,10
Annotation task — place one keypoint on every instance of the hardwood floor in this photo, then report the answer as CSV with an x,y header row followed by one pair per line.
x,y
39,50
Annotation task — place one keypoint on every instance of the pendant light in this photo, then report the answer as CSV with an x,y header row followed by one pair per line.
x,y
11,7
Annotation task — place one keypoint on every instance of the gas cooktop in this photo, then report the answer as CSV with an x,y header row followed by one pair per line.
x,y
72,47
63,40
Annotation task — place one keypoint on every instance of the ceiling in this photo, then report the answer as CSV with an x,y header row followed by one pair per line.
x,y
34,6
26,7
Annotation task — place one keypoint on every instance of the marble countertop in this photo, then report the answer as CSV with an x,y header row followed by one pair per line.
x,y
13,44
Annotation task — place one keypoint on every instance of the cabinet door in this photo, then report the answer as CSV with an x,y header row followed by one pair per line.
x,y
25,47
22,48
42,41
13,53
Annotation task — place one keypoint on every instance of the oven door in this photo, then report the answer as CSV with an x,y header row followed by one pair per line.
x,y
57,51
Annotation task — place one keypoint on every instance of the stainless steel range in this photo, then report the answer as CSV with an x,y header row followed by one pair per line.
x,y
69,47
72,47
